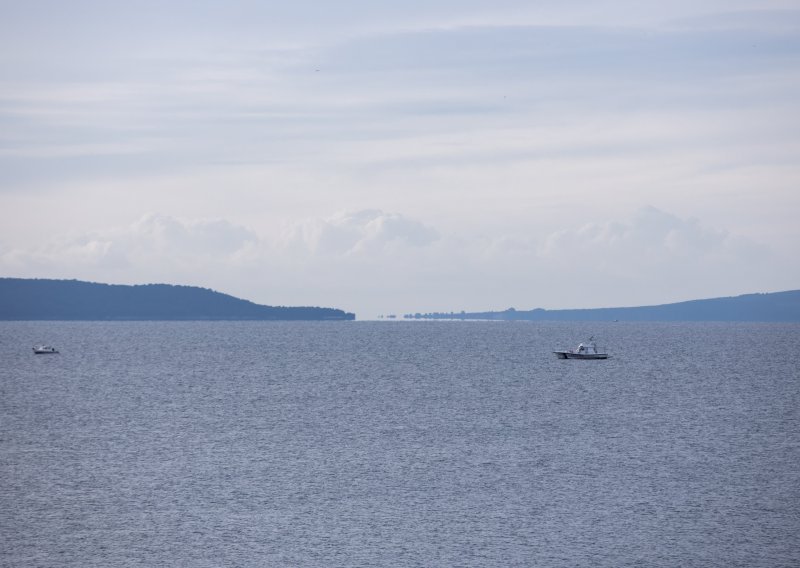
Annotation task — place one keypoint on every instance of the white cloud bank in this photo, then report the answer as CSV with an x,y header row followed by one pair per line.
x,y
360,260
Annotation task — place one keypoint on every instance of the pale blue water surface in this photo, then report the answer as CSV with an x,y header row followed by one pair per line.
x,y
206,444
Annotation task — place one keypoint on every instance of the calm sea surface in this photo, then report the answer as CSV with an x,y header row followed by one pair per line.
x,y
399,444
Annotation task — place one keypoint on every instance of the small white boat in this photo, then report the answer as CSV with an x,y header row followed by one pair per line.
x,y
44,350
583,351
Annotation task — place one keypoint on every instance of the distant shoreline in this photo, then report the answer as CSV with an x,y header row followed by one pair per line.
x,y
770,307
24,299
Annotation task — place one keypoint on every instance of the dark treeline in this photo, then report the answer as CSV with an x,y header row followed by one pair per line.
x,y
39,299
773,307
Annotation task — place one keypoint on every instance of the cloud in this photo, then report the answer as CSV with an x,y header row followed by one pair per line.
x,y
358,233
158,241
374,261
195,237
157,237
650,257
651,233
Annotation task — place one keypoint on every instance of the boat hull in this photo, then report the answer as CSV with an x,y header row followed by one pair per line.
x,y
570,355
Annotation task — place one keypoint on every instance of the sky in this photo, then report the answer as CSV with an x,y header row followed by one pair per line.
x,y
396,157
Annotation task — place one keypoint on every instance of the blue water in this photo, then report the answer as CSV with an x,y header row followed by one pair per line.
x,y
399,444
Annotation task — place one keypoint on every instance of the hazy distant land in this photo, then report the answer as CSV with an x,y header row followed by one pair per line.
x,y
41,299
772,307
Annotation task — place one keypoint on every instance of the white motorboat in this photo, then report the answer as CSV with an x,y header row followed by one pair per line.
x,y
44,350
586,350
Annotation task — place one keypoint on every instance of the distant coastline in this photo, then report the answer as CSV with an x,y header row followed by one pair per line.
x,y
45,299
768,307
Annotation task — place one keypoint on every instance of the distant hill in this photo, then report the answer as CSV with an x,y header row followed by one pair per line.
x,y
37,299
773,307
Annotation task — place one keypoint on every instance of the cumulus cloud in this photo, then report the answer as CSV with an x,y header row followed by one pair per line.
x,y
153,237
358,233
157,240
206,237
652,257
161,244
651,233
76,251
373,261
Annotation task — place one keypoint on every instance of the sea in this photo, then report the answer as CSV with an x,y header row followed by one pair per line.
x,y
326,444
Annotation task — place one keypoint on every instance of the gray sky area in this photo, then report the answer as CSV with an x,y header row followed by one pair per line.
x,y
386,157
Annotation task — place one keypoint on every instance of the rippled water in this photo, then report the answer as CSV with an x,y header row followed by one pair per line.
x,y
399,444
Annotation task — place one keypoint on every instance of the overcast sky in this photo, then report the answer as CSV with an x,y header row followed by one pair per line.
x,y
390,157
